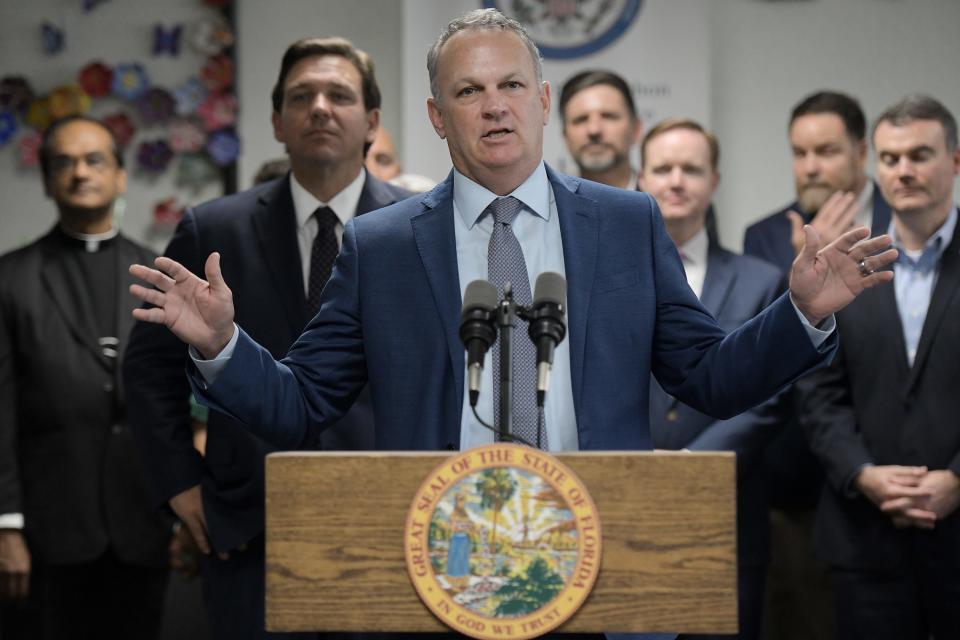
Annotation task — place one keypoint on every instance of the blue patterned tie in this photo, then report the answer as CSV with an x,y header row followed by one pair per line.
x,y
322,256
505,263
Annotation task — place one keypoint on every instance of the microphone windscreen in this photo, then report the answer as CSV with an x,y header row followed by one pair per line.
x,y
550,287
480,293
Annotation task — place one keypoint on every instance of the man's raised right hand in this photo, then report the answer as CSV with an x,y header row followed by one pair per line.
x,y
199,312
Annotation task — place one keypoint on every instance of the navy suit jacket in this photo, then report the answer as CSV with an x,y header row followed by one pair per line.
x,y
769,239
736,288
256,233
391,310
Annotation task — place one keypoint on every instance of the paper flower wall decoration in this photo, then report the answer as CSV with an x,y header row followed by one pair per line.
x,y
223,147
38,114
154,155
189,95
68,100
167,212
210,36
195,170
96,79
217,73
16,94
187,136
218,111
130,81
29,147
155,106
8,126
122,127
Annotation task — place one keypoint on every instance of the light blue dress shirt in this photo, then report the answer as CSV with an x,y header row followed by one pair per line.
x,y
914,277
537,228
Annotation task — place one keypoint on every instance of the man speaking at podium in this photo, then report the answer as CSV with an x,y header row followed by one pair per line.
x,y
390,312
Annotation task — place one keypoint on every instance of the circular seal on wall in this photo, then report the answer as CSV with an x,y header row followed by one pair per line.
x,y
503,541
565,29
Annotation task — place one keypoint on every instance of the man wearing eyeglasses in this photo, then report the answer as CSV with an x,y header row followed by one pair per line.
x,y
82,551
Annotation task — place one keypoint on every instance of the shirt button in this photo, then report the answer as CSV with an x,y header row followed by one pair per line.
x,y
116,429
108,387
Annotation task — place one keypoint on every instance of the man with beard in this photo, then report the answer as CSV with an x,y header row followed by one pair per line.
x,y
828,139
600,126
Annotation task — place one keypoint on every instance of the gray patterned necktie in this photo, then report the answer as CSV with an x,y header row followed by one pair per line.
x,y
505,263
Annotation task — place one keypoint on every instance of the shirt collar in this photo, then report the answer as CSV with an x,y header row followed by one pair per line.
x,y
344,204
472,199
694,251
91,241
935,244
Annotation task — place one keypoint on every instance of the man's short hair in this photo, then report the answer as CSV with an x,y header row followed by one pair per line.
x,y
593,78
921,107
53,127
671,124
309,47
485,20
839,104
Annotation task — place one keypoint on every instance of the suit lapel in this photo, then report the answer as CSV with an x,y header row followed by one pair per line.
x,y
275,224
718,282
943,294
580,232
66,288
435,238
881,213
127,254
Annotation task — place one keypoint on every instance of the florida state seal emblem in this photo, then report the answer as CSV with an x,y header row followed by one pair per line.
x,y
503,541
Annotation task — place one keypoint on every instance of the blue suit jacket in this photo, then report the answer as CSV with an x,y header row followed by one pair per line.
x,y
256,233
391,310
769,239
736,288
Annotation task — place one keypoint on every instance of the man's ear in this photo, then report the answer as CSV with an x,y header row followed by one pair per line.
x,y
373,123
436,118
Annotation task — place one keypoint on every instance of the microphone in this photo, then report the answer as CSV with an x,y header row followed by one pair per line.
x,y
547,325
477,330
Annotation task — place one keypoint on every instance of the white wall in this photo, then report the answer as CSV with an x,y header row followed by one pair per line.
x,y
764,56
770,54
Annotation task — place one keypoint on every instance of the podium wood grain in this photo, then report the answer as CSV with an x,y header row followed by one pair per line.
x,y
335,526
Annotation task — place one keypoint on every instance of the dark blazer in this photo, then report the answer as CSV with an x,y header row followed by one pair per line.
x,y
736,288
793,474
391,310
255,232
769,239
68,462
870,406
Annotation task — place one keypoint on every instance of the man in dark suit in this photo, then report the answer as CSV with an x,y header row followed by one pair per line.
x,y
390,312
827,133
679,169
80,544
280,238
884,421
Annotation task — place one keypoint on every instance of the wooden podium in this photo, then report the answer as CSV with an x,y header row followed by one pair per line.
x,y
335,527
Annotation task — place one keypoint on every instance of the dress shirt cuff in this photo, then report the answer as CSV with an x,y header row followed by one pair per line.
x,y
11,521
210,369
818,335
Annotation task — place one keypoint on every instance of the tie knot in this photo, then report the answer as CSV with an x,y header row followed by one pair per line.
x,y
505,210
325,218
